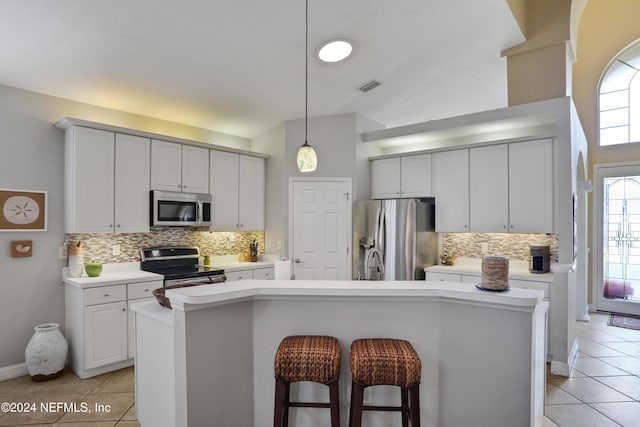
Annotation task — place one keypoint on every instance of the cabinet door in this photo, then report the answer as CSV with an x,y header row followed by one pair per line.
x,y
133,163
166,166
531,186
233,276
224,188
489,189
385,178
251,193
442,277
415,176
451,190
89,193
105,334
263,273
195,169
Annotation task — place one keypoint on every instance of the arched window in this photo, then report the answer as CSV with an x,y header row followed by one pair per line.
x,y
620,98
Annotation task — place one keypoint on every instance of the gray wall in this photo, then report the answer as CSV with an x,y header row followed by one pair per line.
x,y
31,157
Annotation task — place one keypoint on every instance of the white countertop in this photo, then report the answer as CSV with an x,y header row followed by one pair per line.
x,y
259,289
473,267
112,274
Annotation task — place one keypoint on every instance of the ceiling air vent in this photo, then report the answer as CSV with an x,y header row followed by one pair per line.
x,y
372,84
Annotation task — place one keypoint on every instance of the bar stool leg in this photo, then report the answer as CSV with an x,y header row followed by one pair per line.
x,y
278,405
285,411
357,396
334,402
404,399
414,393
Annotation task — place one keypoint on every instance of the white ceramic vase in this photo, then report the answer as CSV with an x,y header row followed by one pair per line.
x,y
46,352
76,265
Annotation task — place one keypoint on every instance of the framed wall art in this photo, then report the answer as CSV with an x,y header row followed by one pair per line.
x,y
23,210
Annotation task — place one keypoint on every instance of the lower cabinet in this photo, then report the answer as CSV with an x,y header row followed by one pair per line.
x,y
262,273
99,327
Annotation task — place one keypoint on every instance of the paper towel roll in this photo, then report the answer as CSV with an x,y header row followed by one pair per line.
x,y
282,269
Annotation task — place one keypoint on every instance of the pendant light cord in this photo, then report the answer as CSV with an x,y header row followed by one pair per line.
x,y
306,69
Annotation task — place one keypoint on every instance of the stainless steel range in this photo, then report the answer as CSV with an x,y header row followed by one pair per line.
x,y
179,266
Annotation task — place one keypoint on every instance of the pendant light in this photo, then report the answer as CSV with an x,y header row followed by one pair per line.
x,y
307,160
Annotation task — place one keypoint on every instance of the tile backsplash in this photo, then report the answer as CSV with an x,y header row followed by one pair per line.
x,y
99,246
515,246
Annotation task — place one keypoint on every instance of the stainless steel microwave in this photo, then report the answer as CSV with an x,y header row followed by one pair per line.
x,y
180,209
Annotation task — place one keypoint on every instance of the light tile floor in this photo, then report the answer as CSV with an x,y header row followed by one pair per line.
x,y
603,389
112,392
604,386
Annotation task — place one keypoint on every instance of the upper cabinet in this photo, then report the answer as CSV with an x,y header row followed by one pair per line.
x,y
531,187
399,177
489,189
237,186
511,187
179,167
106,181
451,190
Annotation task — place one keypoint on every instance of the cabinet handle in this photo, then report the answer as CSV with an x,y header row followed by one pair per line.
x,y
124,309
110,225
107,295
146,290
465,226
118,225
511,225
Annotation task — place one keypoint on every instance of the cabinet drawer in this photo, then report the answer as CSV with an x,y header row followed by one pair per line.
x,y
142,289
263,273
238,275
471,279
105,294
530,284
442,277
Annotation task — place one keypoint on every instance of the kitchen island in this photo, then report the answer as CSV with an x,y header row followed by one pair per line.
x,y
209,361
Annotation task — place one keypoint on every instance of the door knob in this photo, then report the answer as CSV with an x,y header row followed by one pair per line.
x,y
297,261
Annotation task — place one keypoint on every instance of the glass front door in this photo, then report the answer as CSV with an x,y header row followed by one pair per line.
x,y
619,272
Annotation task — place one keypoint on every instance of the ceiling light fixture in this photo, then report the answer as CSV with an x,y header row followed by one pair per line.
x,y
335,50
307,160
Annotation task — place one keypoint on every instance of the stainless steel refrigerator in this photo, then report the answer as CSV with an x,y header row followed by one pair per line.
x,y
394,239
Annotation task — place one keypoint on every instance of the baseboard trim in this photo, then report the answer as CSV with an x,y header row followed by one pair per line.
x,y
13,371
562,368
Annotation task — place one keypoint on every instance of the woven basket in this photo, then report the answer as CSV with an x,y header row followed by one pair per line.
x,y
495,272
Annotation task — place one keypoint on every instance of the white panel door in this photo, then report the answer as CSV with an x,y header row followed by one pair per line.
x,y
489,189
132,184
321,230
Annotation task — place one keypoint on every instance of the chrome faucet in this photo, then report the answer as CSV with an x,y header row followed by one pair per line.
x,y
371,254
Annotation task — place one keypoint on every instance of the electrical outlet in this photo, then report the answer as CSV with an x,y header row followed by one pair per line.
x,y
279,244
115,250
484,248
62,252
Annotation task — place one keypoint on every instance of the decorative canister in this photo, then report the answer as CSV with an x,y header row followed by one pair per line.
x,y
495,273
46,352
76,259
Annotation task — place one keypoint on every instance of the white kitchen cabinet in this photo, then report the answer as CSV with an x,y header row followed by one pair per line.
x,y
131,182
105,334
397,177
261,273
441,277
98,326
179,167
237,185
451,190
89,172
531,186
489,189
106,182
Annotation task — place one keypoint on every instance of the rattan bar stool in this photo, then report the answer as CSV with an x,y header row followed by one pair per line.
x,y
306,358
385,361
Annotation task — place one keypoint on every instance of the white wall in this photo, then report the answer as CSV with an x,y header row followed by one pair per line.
x,y
31,157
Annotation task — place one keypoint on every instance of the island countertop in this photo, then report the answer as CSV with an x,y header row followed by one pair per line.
x,y
260,289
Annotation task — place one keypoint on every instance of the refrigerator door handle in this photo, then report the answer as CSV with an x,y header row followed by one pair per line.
x,y
380,243
409,241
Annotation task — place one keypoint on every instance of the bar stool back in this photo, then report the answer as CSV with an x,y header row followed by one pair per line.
x,y
385,361
306,358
